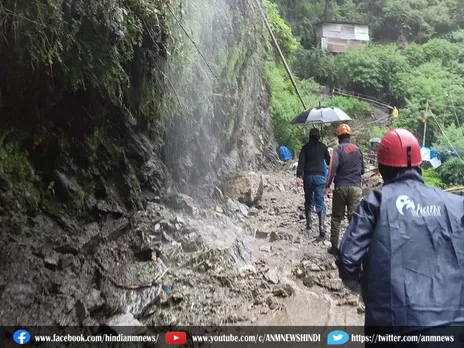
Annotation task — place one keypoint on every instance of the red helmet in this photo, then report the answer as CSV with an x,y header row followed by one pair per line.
x,y
399,148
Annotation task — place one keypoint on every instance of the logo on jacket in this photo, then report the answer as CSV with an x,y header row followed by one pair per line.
x,y
404,203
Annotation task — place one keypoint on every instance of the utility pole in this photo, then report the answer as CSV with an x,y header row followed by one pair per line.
x,y
281,54
425,123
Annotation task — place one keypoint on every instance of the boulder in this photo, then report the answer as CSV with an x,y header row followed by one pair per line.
x,y
272,277
182,202
242,250
154,174
243,209
308,281
24,294
245,187
81,311
232,206
125,324
93,300
51,259
107,207
260,234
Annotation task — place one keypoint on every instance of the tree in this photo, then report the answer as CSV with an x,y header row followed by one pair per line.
x,y
326,9
451,172
282,31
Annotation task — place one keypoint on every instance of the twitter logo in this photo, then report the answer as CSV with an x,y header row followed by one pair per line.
x,y
337,337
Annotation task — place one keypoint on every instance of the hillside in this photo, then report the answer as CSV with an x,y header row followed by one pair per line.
x,y
414,61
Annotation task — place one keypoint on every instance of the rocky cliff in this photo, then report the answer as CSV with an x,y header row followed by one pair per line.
x,y
105,109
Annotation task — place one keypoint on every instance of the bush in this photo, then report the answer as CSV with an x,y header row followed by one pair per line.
x,y
432,178
451,171
355,108
282,31
370,69
436,85
358,70
454,135
378,131
285,106
316,63
15,162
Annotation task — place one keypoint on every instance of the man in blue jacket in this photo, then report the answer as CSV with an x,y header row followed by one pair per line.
x,y
404,247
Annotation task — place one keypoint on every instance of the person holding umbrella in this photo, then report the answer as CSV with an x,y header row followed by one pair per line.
x,y
345,169
310,174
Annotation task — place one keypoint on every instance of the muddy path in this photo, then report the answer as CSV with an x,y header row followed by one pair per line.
x,y
279,274
295,257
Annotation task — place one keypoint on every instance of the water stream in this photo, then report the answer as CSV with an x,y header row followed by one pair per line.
x,y
217,84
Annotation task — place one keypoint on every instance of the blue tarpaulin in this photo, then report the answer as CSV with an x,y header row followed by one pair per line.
x,y
429,155
285,154
444,155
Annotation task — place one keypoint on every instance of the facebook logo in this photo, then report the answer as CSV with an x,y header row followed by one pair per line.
x,y
21,336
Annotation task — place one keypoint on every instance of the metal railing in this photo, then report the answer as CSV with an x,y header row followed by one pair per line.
x,y
371,159
363,97
459,190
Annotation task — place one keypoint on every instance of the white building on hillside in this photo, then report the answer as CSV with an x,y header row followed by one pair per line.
x,y
337,36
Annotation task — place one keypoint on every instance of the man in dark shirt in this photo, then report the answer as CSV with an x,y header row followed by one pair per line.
x,y
345,169
311,171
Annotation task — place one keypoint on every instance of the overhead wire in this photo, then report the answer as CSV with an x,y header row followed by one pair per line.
x,y
446,137
193,42
454,109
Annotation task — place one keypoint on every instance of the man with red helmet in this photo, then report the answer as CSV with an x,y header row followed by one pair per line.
x,y
345,169
404,247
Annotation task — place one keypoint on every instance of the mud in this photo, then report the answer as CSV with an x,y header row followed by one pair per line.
x,y
232,264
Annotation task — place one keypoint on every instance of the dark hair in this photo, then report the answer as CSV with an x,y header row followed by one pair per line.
x,y
343,137
314,135
389,173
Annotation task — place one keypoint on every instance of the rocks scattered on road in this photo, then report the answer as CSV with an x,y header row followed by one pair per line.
x,y
229,264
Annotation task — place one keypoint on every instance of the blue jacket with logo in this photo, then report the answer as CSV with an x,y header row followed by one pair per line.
x,y
405,248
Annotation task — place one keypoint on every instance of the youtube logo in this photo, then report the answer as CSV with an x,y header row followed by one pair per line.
x,y
176,337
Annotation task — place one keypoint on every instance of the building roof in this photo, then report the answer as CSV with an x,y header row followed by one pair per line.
x,y
340,22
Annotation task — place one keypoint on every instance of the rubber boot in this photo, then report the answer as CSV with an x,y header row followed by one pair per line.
x,y
308,218
321,216
334,236
332,250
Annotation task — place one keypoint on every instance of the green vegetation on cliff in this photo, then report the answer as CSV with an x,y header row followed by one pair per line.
x,y
77,71
101,98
